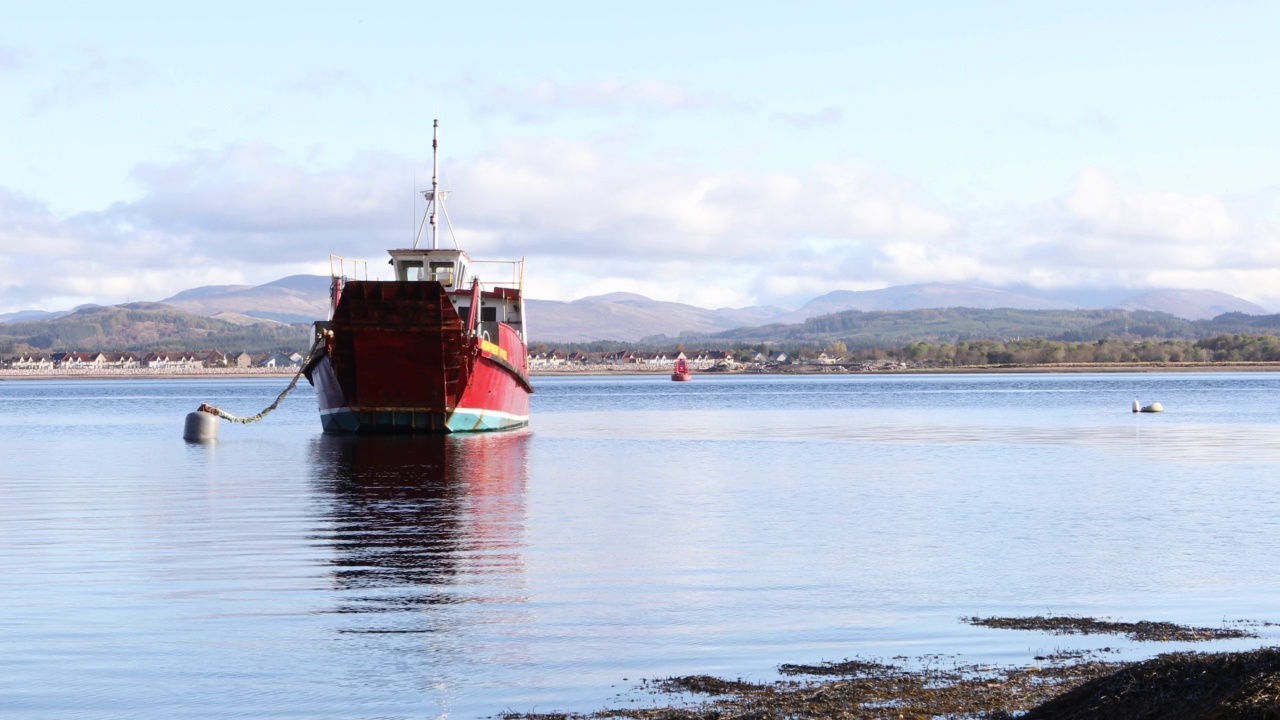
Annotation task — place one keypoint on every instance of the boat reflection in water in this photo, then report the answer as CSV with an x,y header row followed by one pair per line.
x,y
423,521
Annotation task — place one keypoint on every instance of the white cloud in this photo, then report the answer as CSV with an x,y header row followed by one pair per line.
x,y
573,198
55,263
1100,235
251,203
1153,216
1095,236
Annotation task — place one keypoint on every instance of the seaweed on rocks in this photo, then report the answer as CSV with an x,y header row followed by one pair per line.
x,y
848,667
1213,686
704,685
1143,631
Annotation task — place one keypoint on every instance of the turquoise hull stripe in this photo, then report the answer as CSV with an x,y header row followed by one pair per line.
x,y
408,421
464,420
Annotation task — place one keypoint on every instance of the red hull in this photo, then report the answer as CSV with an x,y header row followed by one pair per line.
x,y
399,358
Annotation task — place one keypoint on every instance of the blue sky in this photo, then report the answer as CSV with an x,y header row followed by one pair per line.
x,y
720,154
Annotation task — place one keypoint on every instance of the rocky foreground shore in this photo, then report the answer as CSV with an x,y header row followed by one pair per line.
x,y
1064,686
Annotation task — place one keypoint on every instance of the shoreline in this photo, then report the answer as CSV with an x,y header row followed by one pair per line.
x,y
603,370
1061,368
146,374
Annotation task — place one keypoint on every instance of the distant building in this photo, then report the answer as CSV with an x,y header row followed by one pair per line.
x,y
722,359
121,360
216,358
657,359
620,357
32,361
551,358
82,361
173,360
278,359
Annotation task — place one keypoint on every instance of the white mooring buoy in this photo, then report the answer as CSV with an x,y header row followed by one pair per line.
x,y
1153,407
201,427
1137,407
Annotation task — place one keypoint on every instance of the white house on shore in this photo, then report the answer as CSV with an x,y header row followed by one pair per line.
x,y
551,358
174,360
121,360
158,360
279,359
32,361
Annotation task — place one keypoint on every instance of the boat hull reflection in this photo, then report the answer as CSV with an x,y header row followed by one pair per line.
x,y
423,520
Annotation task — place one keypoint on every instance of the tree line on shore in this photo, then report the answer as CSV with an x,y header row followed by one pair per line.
x,y
1239,347
1038,351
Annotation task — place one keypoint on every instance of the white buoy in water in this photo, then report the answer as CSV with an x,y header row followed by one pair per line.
x,y
201,427
1153,407
1136,407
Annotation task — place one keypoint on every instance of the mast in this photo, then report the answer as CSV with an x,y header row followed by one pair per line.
x,y
435,180
434,197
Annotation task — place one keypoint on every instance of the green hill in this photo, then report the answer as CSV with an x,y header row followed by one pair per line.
x,y
143,327
884,329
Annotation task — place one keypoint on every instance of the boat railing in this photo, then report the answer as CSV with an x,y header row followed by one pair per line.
x,y
444,276
516,268
339,266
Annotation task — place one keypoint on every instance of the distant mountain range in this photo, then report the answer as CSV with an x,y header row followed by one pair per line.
x,y
33,315
919,297
294,299
1191,304
628,317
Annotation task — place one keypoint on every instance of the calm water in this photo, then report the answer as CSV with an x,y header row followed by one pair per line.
x,y
638,529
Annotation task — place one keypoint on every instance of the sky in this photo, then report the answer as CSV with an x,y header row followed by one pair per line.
x,y
719,154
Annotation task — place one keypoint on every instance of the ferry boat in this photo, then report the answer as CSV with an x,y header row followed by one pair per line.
x,y
440,348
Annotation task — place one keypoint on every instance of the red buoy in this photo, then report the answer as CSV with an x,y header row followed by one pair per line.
x,y
682,371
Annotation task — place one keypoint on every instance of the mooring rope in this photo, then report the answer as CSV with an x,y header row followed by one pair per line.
x,y
206,407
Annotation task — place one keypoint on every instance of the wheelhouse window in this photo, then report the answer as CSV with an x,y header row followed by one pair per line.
x,y
442,272
409,270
